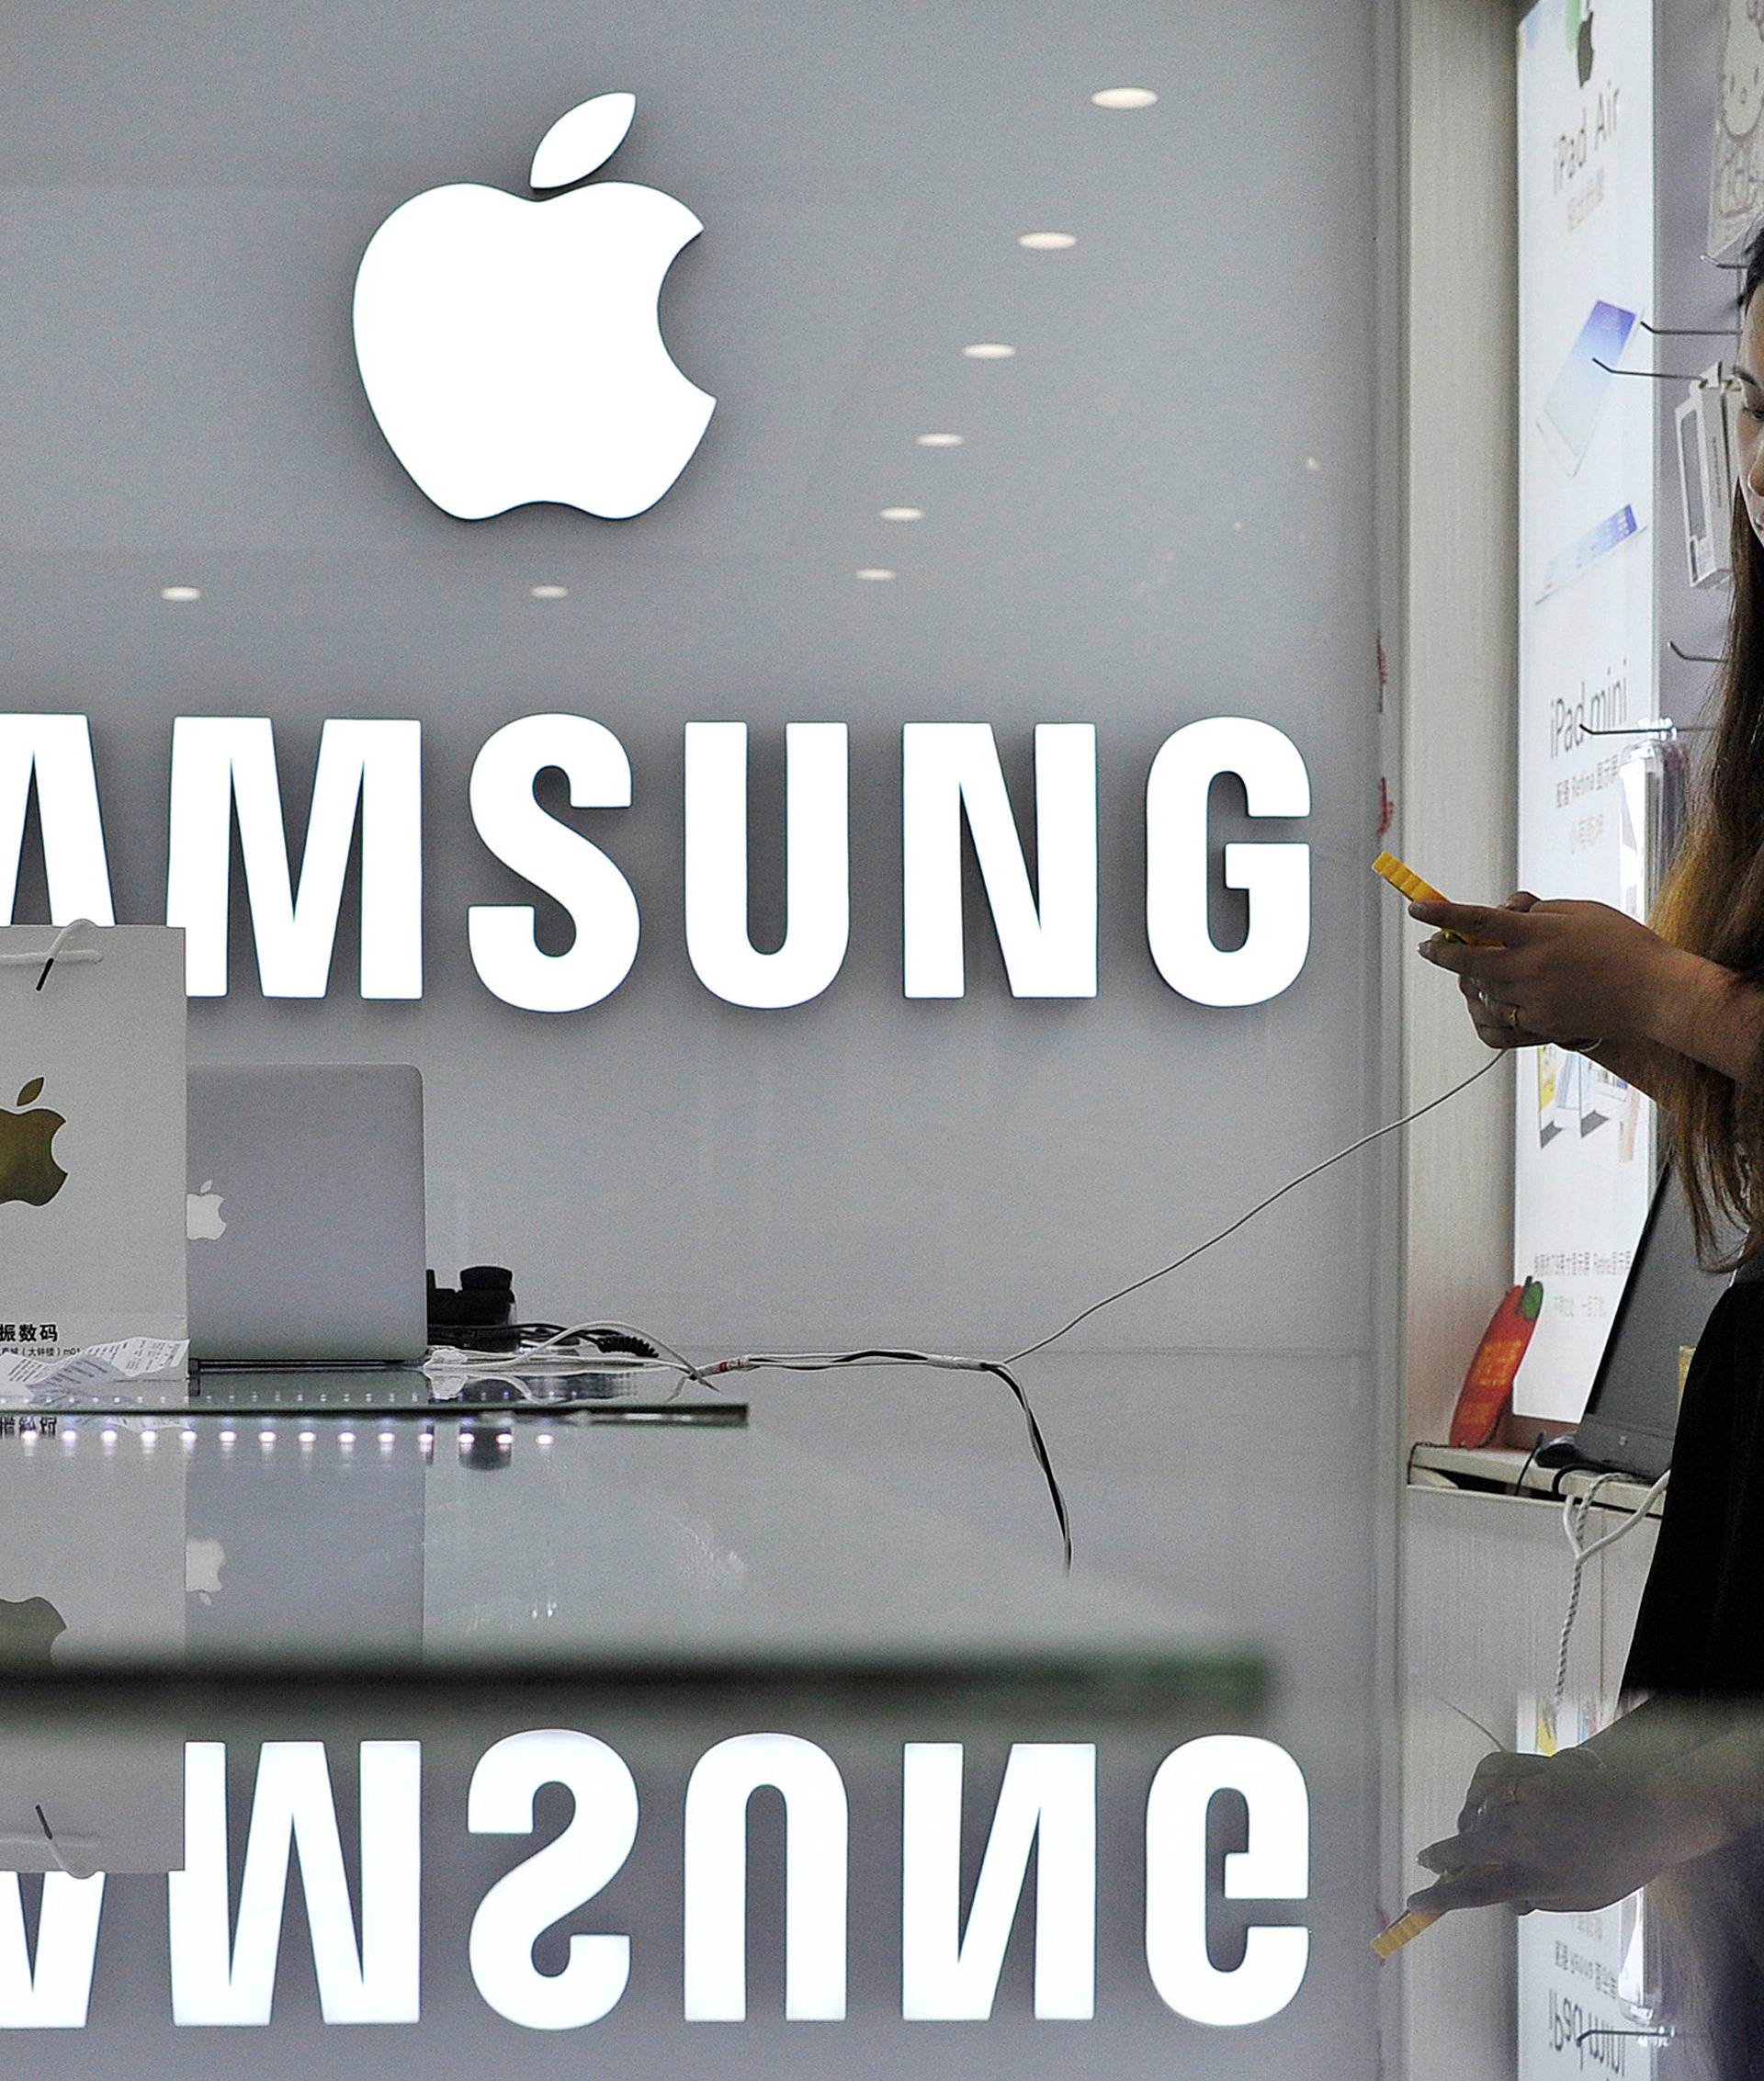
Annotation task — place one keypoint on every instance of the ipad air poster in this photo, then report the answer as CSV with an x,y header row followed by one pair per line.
x,y
1570,412
1580,555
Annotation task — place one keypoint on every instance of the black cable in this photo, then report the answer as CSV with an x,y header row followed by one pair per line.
x,y
611,1342
1042,1458
1000,1371
508,1337
1537,1446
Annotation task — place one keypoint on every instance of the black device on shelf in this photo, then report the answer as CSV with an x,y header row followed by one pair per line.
x,y
477,1314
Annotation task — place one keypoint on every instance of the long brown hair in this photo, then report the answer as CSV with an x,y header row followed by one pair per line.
x,y
1713,904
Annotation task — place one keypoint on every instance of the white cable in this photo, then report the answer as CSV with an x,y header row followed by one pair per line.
x,y
809,1362
546,1356
1575,1511
1188,1257
814,1361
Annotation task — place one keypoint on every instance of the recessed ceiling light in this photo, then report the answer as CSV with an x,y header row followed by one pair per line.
x,y
1047,242
903,513
874,573
989,350
1125,98
940,440
548,591
180,593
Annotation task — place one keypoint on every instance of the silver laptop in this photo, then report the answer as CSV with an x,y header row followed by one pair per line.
x,y
305,1216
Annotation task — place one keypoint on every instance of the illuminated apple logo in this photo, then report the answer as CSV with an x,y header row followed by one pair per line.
x,y
29,1170
203,1220
512,350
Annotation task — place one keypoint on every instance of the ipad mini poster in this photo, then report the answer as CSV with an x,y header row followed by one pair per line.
x,y
1583,1142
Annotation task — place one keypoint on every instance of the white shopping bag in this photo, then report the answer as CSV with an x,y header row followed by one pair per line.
x,y
92,1187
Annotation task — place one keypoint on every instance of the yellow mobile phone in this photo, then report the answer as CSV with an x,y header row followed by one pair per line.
x,y
1407,882
1407,1927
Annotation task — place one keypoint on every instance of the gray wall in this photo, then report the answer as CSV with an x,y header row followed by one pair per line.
x,y
186,190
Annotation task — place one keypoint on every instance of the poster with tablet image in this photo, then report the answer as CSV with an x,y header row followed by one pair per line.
x,y
1583,1139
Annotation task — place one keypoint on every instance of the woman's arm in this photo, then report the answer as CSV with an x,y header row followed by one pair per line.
x,y
1703,1011
1712,1792
1573,968
1641,1063
1664,1783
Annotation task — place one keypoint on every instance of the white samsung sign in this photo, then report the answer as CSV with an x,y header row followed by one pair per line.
x,y
512,354
512,350
223,1950
369,781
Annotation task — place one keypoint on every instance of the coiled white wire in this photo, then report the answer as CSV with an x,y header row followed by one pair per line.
x,y
1575,1511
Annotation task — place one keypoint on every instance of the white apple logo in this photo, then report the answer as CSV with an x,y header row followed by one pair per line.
x,y
203,1560
512,351
202,1216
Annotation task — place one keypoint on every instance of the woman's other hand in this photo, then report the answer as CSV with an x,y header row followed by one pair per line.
x,y
1560,970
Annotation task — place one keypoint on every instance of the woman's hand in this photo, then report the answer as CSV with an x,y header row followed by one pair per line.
x,y
1567,1833
1494,1028
1559,969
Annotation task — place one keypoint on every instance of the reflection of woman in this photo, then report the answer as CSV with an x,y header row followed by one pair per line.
x,y
1675,1787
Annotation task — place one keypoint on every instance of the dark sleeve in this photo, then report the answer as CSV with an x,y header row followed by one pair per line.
x,y
1677,1648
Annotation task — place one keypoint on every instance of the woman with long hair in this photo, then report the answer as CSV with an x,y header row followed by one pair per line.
x,y
1673,1792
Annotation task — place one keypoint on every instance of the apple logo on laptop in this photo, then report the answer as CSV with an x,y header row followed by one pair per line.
x,y
512,351
203,1561
29,1170
203,1220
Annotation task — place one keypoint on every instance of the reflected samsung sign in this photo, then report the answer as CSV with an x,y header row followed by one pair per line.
x,y
223,1952
369,779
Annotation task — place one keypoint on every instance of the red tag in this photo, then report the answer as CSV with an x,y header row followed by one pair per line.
x,y
1489,1385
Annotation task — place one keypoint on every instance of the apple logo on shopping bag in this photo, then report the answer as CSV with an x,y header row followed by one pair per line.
x,y
512,350
30,1627
29,1170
